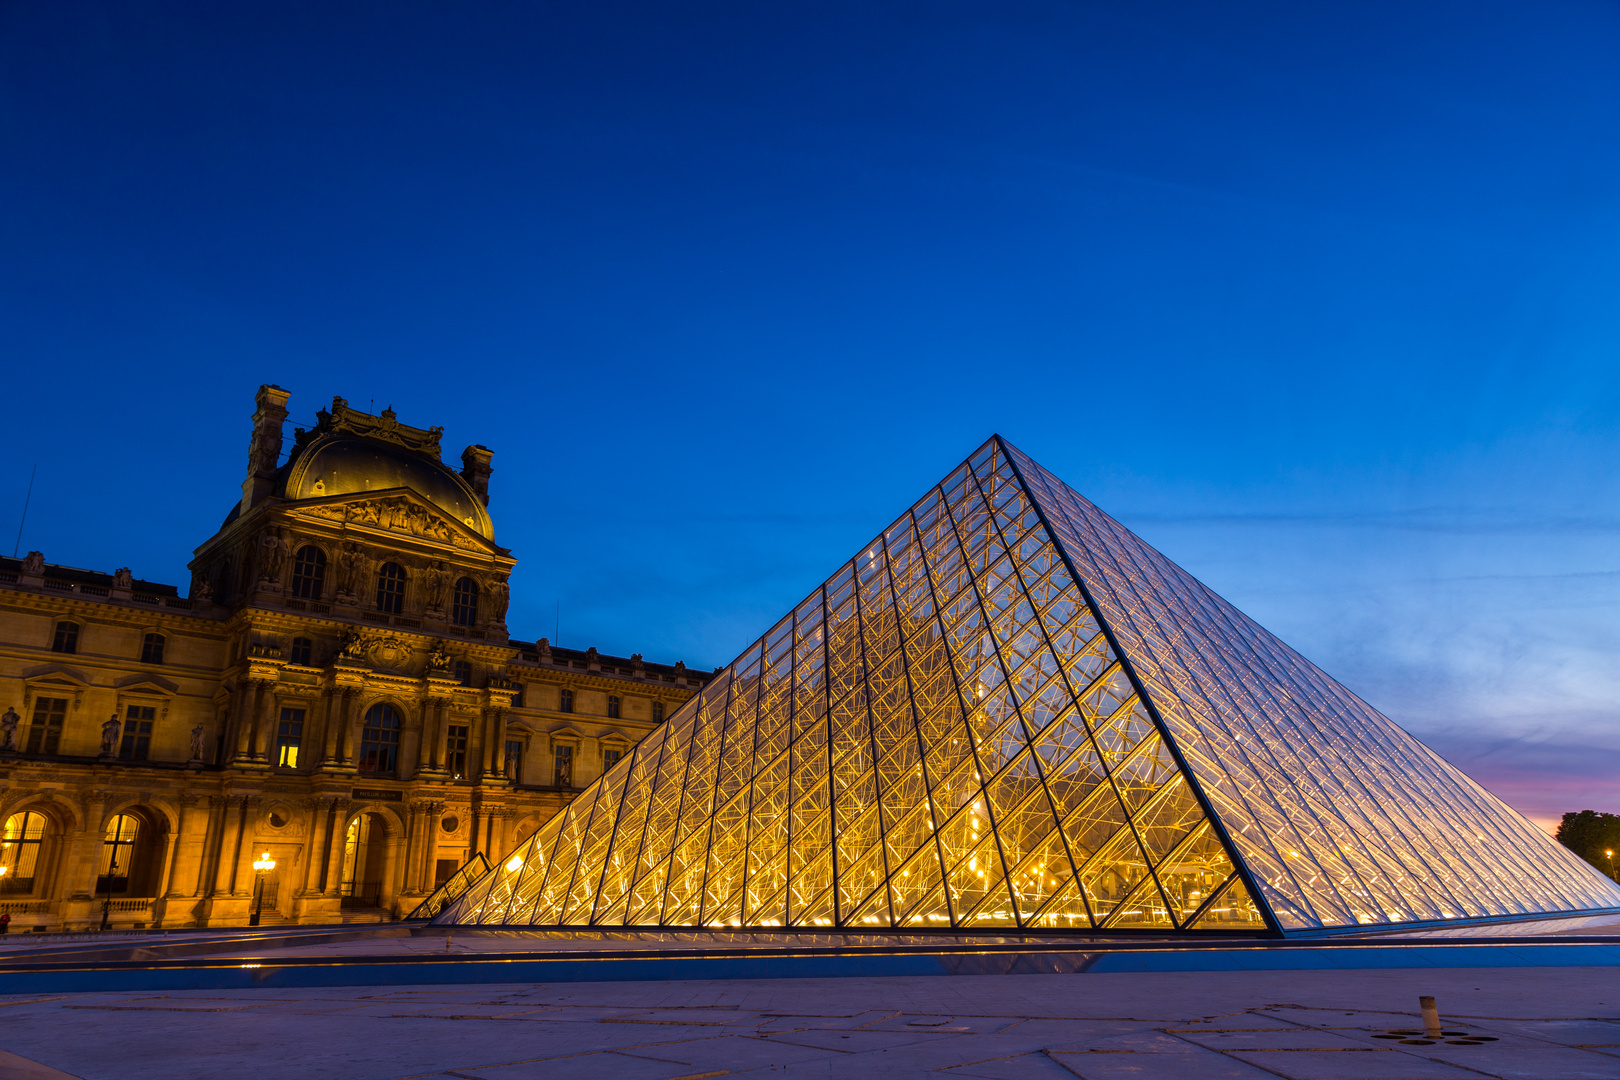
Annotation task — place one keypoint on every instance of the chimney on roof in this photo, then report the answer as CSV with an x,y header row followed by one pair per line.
x,y
264,451
475,470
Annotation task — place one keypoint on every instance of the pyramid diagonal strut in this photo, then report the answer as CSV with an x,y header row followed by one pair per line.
x,y
1009,711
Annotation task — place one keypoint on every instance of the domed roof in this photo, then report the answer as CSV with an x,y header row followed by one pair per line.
x,y
343,464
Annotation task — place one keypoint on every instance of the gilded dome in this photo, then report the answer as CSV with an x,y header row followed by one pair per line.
x,y
341,464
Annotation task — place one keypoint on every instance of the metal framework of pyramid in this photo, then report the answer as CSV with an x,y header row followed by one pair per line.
x,y
1007,711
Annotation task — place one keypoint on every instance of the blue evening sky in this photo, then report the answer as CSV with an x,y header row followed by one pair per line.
x,y
1322,299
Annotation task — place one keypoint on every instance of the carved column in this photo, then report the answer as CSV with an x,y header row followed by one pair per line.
x,y
497,755
242,876
334,852
314,817
230,845
337,732
264,721
433,736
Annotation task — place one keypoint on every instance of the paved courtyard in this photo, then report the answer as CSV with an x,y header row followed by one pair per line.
x,y
1539,1024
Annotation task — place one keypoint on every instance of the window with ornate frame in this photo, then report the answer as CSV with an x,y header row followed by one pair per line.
x,y
563,765
610,757
391,588
455,751
309,572
136,742
379,740
45,732
67,637
464,605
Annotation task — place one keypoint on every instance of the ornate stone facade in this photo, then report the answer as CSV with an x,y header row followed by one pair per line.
x,y
338,689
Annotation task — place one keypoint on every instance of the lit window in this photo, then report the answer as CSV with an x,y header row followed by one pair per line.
x,y
137,740
289,737
613,707
19,852
391,588
309,572
152,649
565,700
67,638
379,740
45,733
563,774
464,608
302,647
117,852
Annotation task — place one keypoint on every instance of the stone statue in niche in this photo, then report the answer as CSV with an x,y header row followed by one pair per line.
x,y
435,579
202,589
499,596
123,579
197,743
272,553
109,736
438,659
34,563
349,561
8,730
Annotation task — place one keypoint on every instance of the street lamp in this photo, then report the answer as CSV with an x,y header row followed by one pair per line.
x,y
261,866
106,904
1609,852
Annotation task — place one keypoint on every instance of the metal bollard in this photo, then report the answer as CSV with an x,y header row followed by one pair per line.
x,y
1431,1017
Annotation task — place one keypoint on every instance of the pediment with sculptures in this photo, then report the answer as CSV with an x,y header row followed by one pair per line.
x,y
396,513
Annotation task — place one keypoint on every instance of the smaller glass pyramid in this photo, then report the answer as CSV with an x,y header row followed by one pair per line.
x,y
1008,711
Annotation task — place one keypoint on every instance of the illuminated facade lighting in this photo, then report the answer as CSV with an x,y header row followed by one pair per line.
x,y
1009,712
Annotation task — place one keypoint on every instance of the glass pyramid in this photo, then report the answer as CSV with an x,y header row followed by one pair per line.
x,y
1007,711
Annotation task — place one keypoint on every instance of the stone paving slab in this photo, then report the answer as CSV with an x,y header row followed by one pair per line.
x,y
1549,1024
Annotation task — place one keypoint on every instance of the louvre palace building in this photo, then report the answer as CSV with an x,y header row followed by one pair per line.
x,y
336,693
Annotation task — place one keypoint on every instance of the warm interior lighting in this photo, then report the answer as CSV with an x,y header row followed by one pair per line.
x,y
263,863
513,863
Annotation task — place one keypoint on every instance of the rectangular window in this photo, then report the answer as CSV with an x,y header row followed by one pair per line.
x,y
66,639
455,751
152,649
45,733
610,758
658,712
564,775
565,700
444,870
137,739
514,761
613,707
301,648
289,737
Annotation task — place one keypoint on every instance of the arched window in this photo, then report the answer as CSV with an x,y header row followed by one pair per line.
x,y
301,649
67,638
464,611
117,854
20,846
391,588
379,740
152,649
463,672
309,572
